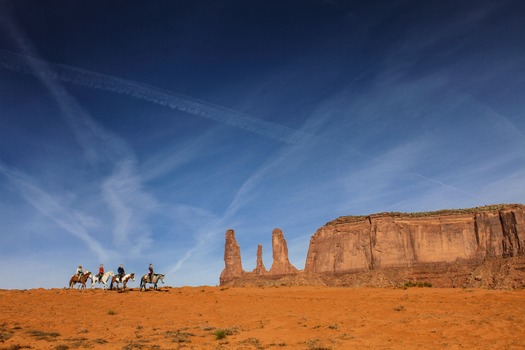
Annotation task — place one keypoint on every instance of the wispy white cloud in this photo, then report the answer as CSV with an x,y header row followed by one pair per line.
x,y
394,143
49,205
122,189
171,157
207,232
130,206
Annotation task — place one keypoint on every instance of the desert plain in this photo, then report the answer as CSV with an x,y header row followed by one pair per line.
x,y
309,318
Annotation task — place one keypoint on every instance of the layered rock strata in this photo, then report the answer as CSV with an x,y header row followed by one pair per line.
x,y
482,246
389,240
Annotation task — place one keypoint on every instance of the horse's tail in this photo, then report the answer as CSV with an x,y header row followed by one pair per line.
x,y
73,280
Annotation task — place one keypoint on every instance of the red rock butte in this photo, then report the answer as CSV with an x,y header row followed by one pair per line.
x,y
476,247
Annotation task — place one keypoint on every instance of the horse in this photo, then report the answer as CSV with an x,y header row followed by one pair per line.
x,y
82,280
156,277
124,280
103,279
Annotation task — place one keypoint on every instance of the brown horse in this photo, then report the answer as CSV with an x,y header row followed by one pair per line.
x,y
82,280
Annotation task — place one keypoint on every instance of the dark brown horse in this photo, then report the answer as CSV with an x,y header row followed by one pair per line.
x,y
82,280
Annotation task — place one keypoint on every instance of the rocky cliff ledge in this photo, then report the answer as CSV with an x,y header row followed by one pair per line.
x,y
477,247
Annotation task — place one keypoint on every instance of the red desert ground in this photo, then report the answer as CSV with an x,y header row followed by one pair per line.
x,y
263,318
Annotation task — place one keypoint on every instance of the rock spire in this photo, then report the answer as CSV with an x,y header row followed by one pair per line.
x,y
281,265
232,258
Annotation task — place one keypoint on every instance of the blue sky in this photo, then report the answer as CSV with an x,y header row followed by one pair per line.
x,y
140,132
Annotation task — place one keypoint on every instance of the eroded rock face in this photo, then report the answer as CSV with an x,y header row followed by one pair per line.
x,y
259,267
232,258
390,240
281,265
233,270
478,247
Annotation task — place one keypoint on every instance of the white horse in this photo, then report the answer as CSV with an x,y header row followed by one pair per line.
x,y
156,277
124,280
103,279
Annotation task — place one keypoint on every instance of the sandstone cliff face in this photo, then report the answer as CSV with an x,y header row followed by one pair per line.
x,y
404,240
478,247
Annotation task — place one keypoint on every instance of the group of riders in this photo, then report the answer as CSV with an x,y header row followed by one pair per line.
x,y
120,273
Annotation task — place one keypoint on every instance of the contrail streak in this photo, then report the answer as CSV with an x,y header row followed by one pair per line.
x,y
82,77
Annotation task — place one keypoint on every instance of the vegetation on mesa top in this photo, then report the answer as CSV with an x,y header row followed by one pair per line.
x,y
443,212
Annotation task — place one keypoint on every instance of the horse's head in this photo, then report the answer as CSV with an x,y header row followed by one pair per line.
x,y
161,277
132,276
86,276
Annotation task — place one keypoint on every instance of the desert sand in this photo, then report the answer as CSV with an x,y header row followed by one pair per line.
x,y
310,318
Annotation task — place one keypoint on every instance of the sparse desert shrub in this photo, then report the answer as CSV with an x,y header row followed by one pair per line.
x,y
18,347
78,342
111,312
41,335
411,284
132,346
180,337
4,333
61,347
399,308
316,344
220,334
253,342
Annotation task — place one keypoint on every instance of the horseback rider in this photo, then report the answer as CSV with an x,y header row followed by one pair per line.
x,y
80,271
100,271
121,272
150,273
